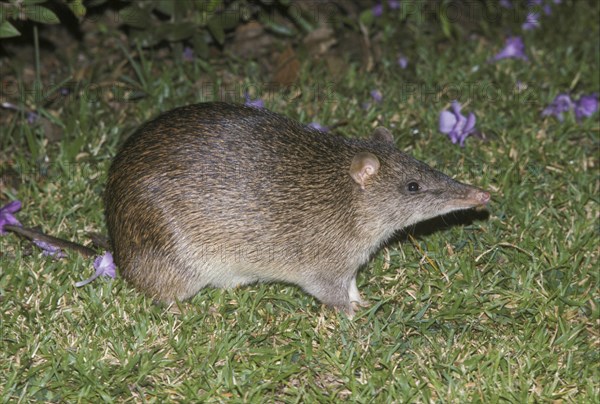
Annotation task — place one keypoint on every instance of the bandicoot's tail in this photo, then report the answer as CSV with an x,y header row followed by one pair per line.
x,y
35,235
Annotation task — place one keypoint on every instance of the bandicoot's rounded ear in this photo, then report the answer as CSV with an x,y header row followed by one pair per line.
x,y
364,166
381,134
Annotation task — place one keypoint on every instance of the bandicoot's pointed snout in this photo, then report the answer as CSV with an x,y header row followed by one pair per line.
x,y
483,197
478,197
468,197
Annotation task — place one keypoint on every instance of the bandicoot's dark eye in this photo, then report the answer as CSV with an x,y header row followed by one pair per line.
x,y
413,186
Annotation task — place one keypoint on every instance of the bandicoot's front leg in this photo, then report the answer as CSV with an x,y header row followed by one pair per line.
x,y
354,295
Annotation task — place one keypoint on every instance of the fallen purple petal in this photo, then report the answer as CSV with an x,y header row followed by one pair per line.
x,y
586,106
104,266
377,96
403,62
456,107
514,48
257,103
470,125
105,263
562,103
7,215
31,116
318,126
188,54
377,10
49,249
456,125
532,21
447,121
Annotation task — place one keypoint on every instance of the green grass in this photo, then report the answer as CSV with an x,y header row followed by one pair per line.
x,y
502,308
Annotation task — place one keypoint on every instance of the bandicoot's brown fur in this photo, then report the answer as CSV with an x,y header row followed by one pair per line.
x,y
223,195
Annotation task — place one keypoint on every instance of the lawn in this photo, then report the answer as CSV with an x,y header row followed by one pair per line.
x,y
501,305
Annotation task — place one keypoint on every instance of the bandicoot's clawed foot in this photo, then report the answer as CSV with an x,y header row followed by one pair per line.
x,y
362,303
348,311
353,307
355,298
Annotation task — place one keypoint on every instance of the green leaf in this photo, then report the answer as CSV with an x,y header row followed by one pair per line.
x,y
216,29
367,17
229,20
77,8
199,40
33,2
175,32
212,5
41,14
135,17
95,3
166,7
301,21
273,26
446,25
7,30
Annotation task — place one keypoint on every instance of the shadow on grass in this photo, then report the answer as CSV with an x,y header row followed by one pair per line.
x,y
440,223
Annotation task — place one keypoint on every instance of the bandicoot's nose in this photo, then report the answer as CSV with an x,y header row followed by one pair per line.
x,y
477,197
482,196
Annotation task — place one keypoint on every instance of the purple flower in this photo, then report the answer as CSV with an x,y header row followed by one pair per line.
x,y
539,4
403,62
562,103
188,54
376,95
514,48
49,249
318,126
257,103
377,10
104,265
31,116
586,106
532,21
7,215
506,4
456,125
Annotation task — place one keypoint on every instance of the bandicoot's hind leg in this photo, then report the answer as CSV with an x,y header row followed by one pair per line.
x,y
333,293
162,278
